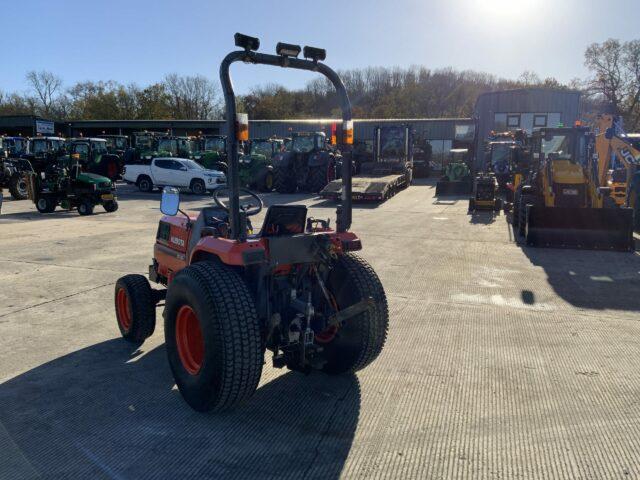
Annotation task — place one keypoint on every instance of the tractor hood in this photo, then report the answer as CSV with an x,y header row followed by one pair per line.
x,y
98,180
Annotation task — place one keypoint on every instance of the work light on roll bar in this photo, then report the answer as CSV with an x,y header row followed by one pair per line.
x,y
247,42
288,49
315,54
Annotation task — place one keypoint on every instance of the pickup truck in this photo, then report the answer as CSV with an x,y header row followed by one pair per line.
x,y
176,172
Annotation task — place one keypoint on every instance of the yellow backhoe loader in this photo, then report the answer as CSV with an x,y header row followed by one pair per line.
x,y
617,165
562,203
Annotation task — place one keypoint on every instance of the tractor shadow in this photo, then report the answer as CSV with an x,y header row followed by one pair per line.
x,y
110,411
56,215
591,279
480,217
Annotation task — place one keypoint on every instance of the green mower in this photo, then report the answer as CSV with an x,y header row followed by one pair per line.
x,y
63,183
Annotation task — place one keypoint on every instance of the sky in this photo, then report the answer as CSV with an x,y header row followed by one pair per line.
x,y
140,41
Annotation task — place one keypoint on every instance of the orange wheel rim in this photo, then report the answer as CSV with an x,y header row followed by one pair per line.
x,y
189,340
329,333
122,310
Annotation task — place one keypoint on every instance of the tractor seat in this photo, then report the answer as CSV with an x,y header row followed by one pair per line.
x,y
282,220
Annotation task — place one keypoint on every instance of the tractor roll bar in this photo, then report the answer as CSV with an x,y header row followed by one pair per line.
x,y
236,219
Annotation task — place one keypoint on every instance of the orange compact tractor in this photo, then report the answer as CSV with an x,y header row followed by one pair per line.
x,y
295,287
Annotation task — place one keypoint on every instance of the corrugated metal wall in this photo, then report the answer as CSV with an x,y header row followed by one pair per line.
x,y
556,104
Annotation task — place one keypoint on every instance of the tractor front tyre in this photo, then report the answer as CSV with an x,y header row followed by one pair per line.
x,y
359,341
45,205
135,308
472,205
522,213
498,205
85,207
284,180
266,185
110,206
515,209
317,179
212,335
18,187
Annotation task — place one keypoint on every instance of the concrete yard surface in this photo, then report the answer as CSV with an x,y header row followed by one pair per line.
x,y
502,362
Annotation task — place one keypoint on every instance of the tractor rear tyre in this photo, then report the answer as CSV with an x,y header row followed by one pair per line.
x,y
317,179
212,335
85,207
18,187
135,308
45,205
284,180
110,206
360,340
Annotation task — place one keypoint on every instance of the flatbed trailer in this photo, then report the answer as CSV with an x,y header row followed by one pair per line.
x,y
390,171
373,188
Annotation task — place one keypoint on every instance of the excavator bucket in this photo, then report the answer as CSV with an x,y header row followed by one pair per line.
x,y
444,188
588,228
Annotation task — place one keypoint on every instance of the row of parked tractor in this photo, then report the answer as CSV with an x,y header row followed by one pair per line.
x,y
573,187
80,173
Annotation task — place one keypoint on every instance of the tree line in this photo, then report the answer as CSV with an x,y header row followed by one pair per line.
x,y
613,84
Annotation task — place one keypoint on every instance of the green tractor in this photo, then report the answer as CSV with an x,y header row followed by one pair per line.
x,y
211,152
256,171
95,157
61,181
145,147
13,167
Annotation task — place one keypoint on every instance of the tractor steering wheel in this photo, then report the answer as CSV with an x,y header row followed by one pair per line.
x,y
249,208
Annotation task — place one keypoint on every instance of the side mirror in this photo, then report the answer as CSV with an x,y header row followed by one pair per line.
x,y
170,202
183,169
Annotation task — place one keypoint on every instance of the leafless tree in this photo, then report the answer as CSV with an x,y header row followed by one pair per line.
x,y
46,86
615,68
193,97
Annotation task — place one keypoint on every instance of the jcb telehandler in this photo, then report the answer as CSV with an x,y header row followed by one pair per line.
x,y
559,204
295,287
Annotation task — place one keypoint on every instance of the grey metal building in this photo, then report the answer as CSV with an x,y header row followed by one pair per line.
x,y
526,108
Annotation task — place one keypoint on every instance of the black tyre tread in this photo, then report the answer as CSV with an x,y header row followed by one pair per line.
x,y
110,206
284,180
150,183
89,208
142,305
228,297
316,179
14,190
374,331
515,212
200,182
522,212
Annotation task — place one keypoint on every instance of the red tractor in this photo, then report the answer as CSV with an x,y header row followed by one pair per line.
x,y
295,287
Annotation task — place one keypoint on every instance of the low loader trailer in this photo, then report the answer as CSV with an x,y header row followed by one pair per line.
x,y
390,171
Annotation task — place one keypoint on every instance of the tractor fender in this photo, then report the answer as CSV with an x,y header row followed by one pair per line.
x,y
320,159
283,159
